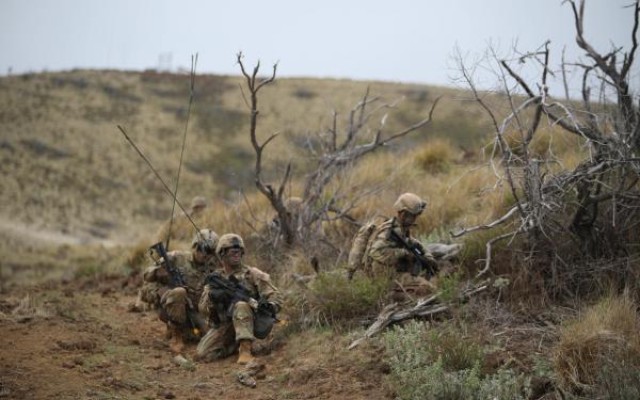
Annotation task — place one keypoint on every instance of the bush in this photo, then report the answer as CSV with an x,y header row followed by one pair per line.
x,y
436,156
445,365
599,353
334,299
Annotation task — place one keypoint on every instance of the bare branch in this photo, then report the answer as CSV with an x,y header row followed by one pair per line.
x,y
274,196
590,205
424,307
493,224
489,245
413,127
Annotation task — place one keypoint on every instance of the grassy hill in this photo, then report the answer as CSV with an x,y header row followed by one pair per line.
x,y
66,167
80,207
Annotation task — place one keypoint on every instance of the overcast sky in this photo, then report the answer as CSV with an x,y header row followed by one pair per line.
x,y
401,40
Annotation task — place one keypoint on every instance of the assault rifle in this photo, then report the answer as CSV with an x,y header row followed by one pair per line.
x,y
225,293
176,279
422,261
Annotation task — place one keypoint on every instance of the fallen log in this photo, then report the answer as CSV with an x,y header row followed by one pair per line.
x,y
424,307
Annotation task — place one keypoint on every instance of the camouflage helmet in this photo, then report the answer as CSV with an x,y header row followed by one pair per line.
x,y
228,241
198,202
411,203
205,240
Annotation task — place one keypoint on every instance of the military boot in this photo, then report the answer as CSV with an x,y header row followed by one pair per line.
x,y
244,352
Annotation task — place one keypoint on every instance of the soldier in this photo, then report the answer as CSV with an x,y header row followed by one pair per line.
x,y
233,322
198,204
384,255
176,304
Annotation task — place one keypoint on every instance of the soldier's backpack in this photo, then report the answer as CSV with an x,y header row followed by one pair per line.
x,y
359,247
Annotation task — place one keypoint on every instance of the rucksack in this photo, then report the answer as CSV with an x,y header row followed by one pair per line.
x,y
359,247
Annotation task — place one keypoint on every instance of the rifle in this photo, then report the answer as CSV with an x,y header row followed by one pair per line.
x,y
176,279
225,293
422,261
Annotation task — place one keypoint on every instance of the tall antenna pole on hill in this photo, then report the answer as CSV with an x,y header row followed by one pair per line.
x,y
164,184
194,61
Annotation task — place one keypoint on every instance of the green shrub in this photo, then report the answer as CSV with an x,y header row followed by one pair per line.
x,y
448,286
618,380
445,365
335,299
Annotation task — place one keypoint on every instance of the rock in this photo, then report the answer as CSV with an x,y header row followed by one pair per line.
x,y
245,378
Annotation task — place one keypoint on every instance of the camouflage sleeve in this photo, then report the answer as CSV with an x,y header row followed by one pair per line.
x,y
387,251
204,305
266,289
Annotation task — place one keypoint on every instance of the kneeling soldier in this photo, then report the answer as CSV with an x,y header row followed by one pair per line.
x,y
174,285
237,301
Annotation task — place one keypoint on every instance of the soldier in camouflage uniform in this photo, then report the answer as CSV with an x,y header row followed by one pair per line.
x,y
233,326
198,204
173,303
384,256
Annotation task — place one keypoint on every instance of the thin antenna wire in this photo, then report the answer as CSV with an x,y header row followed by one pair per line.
x,y
157,176
194,62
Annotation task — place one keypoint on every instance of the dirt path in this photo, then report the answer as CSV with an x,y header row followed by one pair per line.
x,y
78,341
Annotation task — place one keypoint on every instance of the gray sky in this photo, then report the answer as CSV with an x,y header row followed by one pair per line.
x,y
401,40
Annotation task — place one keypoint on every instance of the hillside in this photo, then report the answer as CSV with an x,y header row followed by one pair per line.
x,y
67,168
80,209
78,200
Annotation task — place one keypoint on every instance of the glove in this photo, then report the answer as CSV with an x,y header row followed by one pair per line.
x,y
272,307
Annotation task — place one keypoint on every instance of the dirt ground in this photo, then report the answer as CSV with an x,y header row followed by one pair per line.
x,y
77,340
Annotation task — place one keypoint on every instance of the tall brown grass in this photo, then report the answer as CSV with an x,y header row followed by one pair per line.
x,y
601,345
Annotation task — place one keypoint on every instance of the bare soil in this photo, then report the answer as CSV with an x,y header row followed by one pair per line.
x,y
75,338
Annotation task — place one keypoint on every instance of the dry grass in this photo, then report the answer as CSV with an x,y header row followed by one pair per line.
x,y
436,156
60,142
605,335
67,170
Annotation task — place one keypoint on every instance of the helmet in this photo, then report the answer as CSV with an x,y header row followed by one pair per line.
x,y
198,202
205,240
228,241
411,203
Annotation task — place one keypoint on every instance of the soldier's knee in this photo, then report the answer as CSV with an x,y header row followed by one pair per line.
x,y
174,296
242,311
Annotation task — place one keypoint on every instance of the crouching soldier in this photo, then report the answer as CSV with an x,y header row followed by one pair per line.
x,y
241,303
391,251
174,284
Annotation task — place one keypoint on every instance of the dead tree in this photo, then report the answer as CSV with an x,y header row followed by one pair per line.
x,y
275,196
338,151
600,198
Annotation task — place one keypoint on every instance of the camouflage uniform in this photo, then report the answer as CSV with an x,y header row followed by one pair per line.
x,y
172,302
385,257
198,204
236,324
